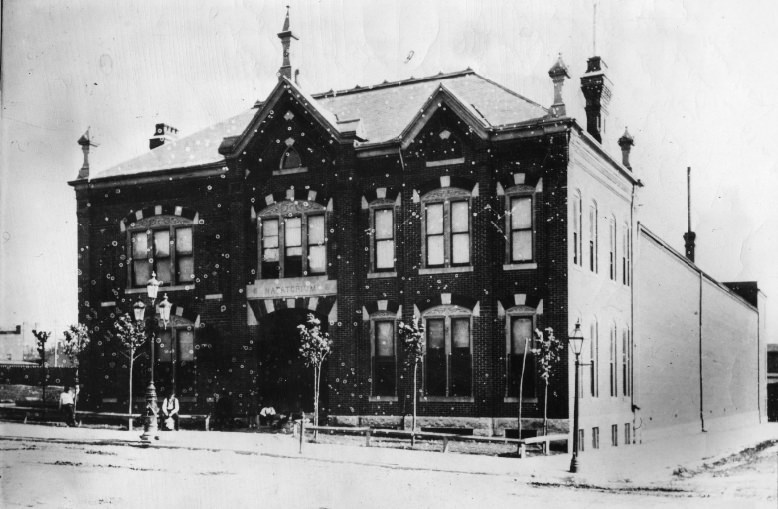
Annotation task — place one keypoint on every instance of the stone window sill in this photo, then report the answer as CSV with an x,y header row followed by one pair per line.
x,y
523,400
445,162
162,289
445,270
378,275
448,399
290,171
383,399
520,266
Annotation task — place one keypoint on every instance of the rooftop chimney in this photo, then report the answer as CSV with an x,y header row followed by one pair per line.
x,y
596,88
162,133
689,236
625,142
286,37
558,74
85,143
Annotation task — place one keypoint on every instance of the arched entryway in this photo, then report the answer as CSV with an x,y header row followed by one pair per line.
x,y
283,378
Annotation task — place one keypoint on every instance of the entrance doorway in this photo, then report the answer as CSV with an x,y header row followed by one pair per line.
x,y
283,379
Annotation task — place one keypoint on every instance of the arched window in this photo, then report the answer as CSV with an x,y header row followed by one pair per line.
x,y
594,359
292,240
625,254
383,349
576,214
291,160
612,242
448,370
521,366
593,238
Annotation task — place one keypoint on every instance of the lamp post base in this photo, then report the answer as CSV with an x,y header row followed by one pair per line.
x,y
574,464
150,428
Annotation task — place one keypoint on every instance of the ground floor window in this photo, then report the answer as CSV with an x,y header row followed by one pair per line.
x,y
627,433
384,357
520,357
448,360
175,361
580,440
614,435
595,438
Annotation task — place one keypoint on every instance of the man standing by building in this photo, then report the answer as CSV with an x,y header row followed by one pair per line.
x,y
67,406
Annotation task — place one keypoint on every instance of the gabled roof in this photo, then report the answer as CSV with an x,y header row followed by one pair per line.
x,y
377,114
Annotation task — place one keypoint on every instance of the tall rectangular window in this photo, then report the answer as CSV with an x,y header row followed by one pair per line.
x,y
521,229
626,380
627,433
383,248
270,247
175,358
184,255
435,360
614,435
625,255
593,238
384,377
612,253
141,266
461,364
165,250
317,251
594,352
162,255
293,247
435,235
595,438
580,440
577,258
521,358
460,233
614,387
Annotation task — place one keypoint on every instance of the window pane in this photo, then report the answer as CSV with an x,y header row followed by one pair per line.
x,y
162,267
435,250
140,248
434,218
460,248
185,269
521,331
270,255
183,240
460,216
291,159
435,334
384,339
317,256
521,213
185,345
293,237
384,254
384,224
141,272
460,333
165,347
294,251
521,245
270,227
315,230
161,244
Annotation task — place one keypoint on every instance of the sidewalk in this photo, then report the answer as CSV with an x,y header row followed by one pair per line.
x,y
636,465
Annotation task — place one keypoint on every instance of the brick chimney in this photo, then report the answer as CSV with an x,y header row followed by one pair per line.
x,y
626,142
286,37
596,88
558,74
162,134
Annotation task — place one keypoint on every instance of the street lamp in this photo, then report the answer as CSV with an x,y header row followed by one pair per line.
x,y
576,344
150,425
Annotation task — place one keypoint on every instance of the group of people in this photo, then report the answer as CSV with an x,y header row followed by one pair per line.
x,y
170,409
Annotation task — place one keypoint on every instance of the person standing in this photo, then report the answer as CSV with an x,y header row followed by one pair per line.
x,y
66,405
170,410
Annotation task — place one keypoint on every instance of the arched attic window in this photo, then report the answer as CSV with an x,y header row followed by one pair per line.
x,y
444,148
291,161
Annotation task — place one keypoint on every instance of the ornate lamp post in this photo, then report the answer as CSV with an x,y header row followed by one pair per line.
x,y
139,309
576,344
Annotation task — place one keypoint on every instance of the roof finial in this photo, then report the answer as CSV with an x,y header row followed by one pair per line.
x,y
85,141
594,29
286,37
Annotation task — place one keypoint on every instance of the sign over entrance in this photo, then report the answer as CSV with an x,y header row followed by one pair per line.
x,y
291,287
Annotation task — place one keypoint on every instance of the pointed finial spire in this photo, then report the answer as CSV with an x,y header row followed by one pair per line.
x,y
558,74
286,37
626,142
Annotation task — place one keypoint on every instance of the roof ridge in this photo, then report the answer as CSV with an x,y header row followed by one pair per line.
x,y
388,84
513,93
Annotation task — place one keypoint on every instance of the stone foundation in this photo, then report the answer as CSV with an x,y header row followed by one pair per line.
x,y
481,426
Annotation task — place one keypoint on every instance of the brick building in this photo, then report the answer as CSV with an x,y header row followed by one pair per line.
x,y
449,198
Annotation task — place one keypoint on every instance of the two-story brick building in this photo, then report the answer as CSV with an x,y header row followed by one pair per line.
x,y
450,199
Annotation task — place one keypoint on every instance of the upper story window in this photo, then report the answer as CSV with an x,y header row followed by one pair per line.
x,y
291,159
448,360
161,244
577,213
593,238
521,227
612,247
292,240
446,228
625,255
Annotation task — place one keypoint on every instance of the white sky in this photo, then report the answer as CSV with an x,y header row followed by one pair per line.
x,y
695,82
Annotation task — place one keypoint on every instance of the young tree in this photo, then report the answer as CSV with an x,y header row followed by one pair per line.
x,y
131,336
40,339
412,335
548,353
315,346
76,341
